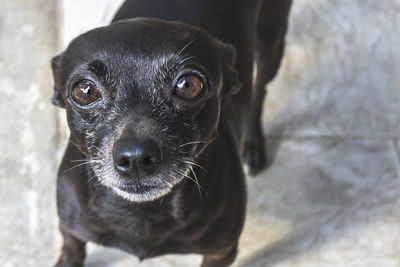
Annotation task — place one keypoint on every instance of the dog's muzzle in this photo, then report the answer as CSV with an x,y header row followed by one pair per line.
x,y
136,158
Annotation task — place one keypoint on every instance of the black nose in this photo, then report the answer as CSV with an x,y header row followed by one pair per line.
x,y
136,157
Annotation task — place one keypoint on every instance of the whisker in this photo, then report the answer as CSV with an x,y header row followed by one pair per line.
x,y
76,166
186,59
192,163
80,160
196,181
192,143
199,187
181,62
183,49
84,162
187,176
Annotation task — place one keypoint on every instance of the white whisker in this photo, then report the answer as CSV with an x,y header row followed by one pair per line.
x,y
84,162
76,166
192,163
198,184
192,143
80,160
186,59
194,180
189,43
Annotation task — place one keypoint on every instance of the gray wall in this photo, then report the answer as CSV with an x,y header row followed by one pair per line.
x,y
340,76
28,132
332,119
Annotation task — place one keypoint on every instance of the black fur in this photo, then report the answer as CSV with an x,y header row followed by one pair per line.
x,y
194,202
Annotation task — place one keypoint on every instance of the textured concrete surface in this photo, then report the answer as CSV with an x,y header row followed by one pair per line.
x,y
28,39
340,75
332,194
325,202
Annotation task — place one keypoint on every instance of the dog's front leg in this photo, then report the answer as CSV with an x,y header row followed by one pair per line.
x,y
73,250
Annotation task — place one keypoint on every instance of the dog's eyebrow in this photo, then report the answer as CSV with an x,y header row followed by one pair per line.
x,y
98,68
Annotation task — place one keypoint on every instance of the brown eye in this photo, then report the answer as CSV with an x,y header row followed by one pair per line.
x,y
188,87
85,93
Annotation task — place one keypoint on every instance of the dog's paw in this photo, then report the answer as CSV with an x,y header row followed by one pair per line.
x,y
255,155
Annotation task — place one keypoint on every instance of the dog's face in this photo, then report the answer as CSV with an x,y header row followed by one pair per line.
x,y
143,100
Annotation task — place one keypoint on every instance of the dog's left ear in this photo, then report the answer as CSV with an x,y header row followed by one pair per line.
x,y
230,84
57,98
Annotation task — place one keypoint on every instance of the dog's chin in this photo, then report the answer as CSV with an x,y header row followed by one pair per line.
x,y
141,192
147,195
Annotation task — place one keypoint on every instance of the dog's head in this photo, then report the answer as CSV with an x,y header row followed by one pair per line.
x,y
143,100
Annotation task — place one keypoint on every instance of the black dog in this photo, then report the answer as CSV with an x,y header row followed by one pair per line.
x,y
160,121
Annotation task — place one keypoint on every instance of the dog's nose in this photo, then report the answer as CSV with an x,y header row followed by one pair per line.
x,y
137,157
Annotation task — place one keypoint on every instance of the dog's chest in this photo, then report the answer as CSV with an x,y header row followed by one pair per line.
x,y
142,229
138,220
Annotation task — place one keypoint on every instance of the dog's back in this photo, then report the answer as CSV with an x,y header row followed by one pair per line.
x,y
223,19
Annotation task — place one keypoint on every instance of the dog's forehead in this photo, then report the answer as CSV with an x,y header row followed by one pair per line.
x,y
136,51
143,38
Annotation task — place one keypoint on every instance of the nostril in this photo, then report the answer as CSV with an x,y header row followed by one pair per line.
x,y
122,162
150,163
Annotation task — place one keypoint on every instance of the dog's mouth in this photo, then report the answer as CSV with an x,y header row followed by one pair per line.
x,y
146,189
142,192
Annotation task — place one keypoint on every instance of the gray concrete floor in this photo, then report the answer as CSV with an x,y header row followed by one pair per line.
x,y
331,196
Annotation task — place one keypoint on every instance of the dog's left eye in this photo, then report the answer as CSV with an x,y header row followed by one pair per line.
x,y
188,87
85,92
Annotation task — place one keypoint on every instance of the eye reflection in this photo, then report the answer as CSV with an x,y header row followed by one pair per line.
x,y
85,92
188,87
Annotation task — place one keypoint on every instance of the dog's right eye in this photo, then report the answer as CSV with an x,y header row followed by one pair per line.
x,y
85,93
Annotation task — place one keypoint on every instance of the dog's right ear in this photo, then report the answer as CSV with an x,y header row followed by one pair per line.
x,y
57,98
231,83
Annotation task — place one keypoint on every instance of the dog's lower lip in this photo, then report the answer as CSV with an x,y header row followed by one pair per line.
x,y
136,188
